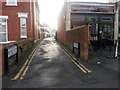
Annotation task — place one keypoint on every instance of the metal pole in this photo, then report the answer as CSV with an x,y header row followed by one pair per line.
x,y
116,24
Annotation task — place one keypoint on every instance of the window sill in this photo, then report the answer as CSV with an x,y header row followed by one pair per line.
x,y
23,37
5,42
11,4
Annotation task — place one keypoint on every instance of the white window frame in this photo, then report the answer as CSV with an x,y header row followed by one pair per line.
x,y
11,4
5,17
23,15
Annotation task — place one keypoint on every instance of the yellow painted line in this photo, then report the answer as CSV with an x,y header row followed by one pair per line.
x,y
24,73
31,59
76,63
79,67
26,69
19,73
85,67
81,64
73,57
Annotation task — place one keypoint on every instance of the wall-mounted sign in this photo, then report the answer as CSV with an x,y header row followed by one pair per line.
x,y
10,56
75,45
12,50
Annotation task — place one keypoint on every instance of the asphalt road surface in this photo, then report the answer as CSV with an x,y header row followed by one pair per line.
x,y
51,67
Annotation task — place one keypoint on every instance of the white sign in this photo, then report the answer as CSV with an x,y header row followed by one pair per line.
x,y
12,51
75,45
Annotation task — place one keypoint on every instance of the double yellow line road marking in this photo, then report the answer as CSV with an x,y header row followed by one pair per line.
x,y
77,63
25,67
20,75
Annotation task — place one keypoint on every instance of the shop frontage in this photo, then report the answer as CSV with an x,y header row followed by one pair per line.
x,y
100,20
84,13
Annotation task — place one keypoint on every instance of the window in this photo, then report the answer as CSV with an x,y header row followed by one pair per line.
x,y
90,18
3,29
106,19
11,2
23,26
80,18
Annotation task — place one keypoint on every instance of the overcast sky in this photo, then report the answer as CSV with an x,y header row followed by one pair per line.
x,y
49,10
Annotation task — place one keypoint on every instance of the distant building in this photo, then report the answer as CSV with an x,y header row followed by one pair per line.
x,y
53,32
46,30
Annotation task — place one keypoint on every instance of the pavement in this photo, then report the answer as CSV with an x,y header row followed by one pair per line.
x,y
100,58
51,67
6,80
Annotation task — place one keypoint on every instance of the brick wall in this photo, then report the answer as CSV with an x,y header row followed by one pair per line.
x,y
76,35
23,46
61,33
13,19
2,61
79,35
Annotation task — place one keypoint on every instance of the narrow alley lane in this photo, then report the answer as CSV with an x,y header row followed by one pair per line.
x,y
52,68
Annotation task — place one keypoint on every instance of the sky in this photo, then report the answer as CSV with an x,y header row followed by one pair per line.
x,y
49,10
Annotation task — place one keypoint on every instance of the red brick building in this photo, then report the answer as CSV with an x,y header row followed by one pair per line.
x,y
19,20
